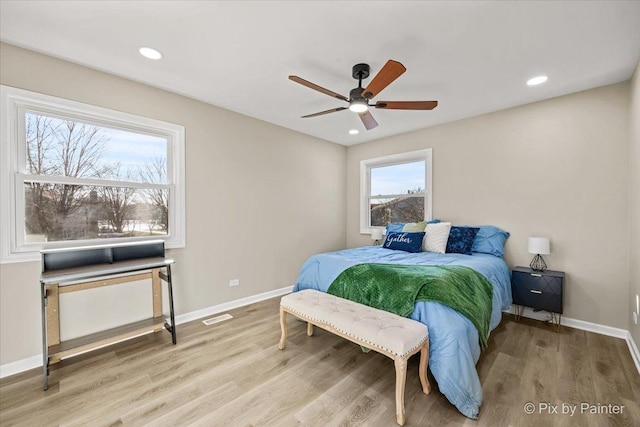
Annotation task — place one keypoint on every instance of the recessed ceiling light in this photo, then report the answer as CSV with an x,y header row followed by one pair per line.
x,y
150,53
354,132
537,80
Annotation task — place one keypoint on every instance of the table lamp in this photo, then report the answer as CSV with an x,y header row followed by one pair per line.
x,y
539,246
376,236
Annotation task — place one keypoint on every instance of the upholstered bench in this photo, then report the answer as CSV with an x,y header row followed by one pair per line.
x,y
394,336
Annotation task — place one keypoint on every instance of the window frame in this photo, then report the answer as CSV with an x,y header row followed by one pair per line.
x,y
425,155
15,103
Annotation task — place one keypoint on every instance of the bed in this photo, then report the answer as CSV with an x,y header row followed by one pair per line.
x,y
454,341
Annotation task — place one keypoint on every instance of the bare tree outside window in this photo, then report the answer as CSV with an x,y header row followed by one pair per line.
x,y
118,202
156,173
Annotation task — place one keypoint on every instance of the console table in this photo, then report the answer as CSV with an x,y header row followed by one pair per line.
x,y
75,269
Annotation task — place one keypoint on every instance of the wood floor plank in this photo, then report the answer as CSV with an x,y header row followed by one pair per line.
x,y
199,407
365,410
233,374
539,373
341,397
610,384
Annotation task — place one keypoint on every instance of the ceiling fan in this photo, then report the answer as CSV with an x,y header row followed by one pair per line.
x,y
359,97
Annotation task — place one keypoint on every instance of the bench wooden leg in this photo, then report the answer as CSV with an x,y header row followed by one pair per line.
x,y
424,362
309,329
401,378
283,327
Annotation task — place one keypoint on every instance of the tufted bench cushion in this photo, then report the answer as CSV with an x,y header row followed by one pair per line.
x,y
387,333
397,335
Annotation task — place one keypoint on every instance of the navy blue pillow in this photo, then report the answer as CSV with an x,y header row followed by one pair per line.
x,y
408,242
461,240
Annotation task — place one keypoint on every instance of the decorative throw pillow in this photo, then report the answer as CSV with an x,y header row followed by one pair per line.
x,y
436,236
490,240
461,240
414,227
408,242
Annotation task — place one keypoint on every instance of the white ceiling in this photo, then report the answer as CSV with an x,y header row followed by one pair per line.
x,y
473,57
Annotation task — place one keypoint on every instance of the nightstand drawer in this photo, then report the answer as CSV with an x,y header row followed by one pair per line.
x,y
537,299
538,282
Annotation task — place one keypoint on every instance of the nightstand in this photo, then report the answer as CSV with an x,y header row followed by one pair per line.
x,y
540,290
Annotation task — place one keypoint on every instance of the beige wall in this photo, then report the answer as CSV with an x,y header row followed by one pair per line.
x,y
557,168
634,201
260,198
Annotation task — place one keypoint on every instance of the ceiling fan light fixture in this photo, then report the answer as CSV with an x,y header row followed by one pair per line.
x,y
358,106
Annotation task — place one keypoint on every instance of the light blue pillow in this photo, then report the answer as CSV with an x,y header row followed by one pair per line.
x,y
395,227
490,240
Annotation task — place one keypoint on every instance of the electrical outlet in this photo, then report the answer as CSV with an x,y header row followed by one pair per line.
x,y
234,282
635,318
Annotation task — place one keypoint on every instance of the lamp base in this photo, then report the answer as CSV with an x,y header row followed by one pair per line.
x,y
538,264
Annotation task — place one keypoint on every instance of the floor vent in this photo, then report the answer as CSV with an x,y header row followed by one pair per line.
x,y
217,319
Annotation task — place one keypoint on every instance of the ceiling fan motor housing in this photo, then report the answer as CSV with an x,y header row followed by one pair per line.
x,y
356,93
360,71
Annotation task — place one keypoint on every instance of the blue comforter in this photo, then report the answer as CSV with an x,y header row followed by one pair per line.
x,y
454,346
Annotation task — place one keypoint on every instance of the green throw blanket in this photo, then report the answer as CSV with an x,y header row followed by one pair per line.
x,y
395,288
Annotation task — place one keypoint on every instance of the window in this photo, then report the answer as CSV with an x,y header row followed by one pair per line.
x,y
75,174
395,188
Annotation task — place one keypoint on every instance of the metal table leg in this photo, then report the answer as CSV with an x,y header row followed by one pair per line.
x,y
171,328
45,347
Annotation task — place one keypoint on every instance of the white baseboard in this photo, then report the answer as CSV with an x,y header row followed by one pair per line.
x,y
590,327
198,314
575,323
36,361
633,348
21,365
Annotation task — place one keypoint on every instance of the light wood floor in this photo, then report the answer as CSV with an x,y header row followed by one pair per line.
x,y
232,374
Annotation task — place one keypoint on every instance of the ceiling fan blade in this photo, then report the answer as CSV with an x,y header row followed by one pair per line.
x,y
314,86
391,71
407,105
368,120
333,110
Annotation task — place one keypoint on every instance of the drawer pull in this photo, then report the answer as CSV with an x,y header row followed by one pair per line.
x,y
536,275
533,291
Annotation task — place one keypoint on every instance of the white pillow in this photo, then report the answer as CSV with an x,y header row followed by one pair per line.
x,y
436,236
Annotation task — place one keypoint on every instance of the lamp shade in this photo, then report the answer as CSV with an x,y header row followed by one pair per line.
x,y
376,234
539,245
